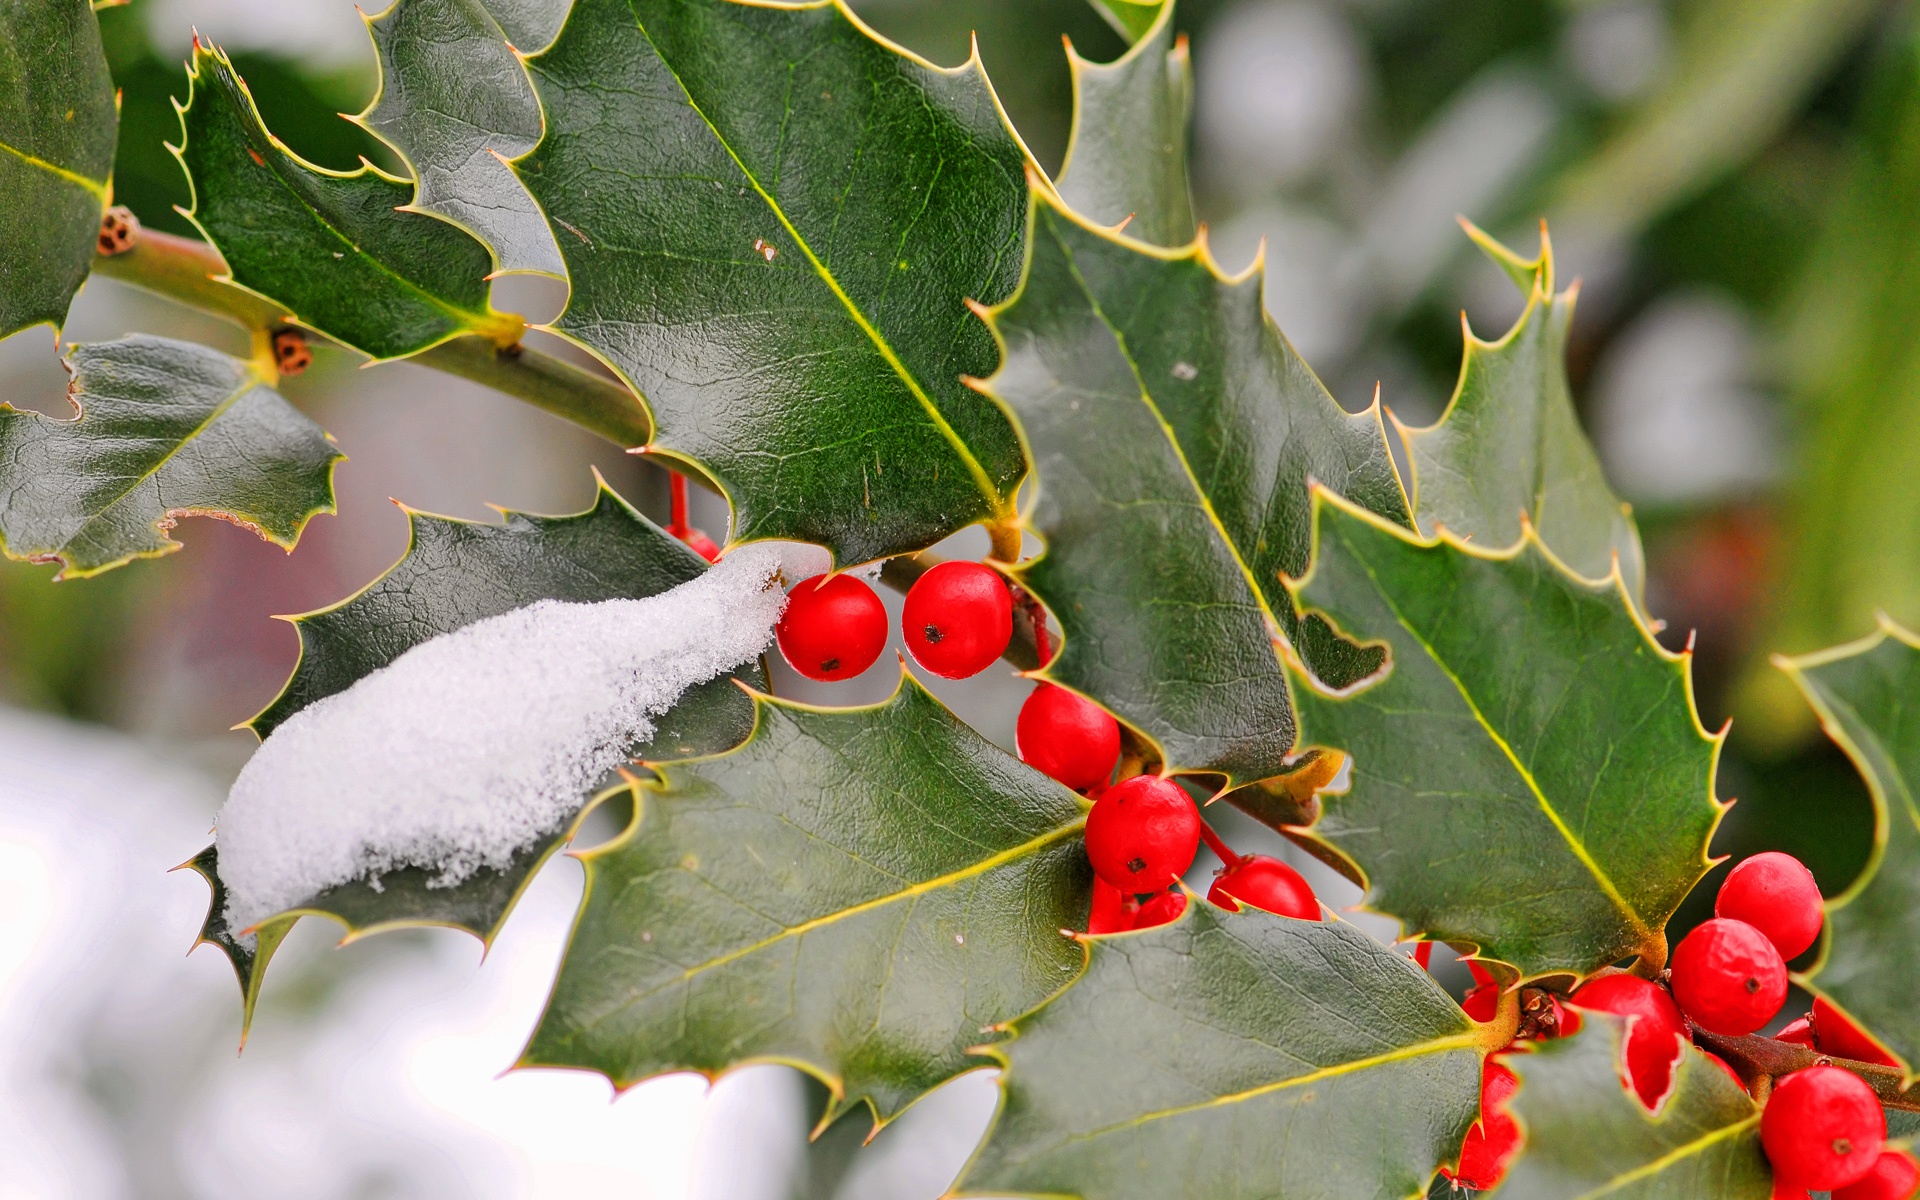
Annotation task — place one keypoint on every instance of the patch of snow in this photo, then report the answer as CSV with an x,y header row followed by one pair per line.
x,y
478,743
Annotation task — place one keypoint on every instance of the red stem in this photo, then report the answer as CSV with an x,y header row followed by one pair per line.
x,y
677,490
1423,954
1480,974
1219,847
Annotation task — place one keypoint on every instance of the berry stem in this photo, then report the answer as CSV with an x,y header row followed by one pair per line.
x,y
1757,1057
677,498
1218,845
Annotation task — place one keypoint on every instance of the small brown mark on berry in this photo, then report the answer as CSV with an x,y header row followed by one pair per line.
x,y
832,664
933,634
1136,865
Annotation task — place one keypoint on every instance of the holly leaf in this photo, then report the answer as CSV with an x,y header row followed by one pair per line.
x,y
161,430
453,574
773,221
1131,19
1867,694
1529,771
852,891
1509,449
1586,1135
334,249
1237,1054
1163,563
455,104
58,122
1127,152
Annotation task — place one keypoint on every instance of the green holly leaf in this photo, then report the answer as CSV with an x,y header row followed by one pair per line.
x,y
161,430
1868,695
853,891
773,222
1163,563
1131,19
1529,772
1586,1135
453,574
58,122
455,103
1127,152
1509,448
336,250
1237,1054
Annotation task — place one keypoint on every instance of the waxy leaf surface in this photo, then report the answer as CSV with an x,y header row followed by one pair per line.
x,y
854,891
1529,774
1173,434
1127,155
453,574
1509,447
1587,1136
58,121
1868,698
1234,1054
773,223
161,430
333,249
455,103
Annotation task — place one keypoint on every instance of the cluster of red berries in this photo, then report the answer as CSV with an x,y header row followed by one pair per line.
x,y
1822,1128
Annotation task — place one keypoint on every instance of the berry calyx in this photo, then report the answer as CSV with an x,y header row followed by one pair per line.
x,y
1495,1138
1728,978
1822,1129
1162,909
1895,1176
1068,737
1655,1032
1834,1034
958,618
1142,834
1776,894
834,627
1265,883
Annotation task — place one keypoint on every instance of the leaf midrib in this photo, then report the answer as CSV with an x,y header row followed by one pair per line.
x,y
995,502
1579,849
1686,1150
97,188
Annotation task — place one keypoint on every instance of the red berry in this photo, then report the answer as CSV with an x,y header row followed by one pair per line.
x,y
1834,1034
1265,883
1481,1002
701,544
1799,1031
1775,894
834,627
958,619
1655,1035
1495,1138
1165,907
1895,1176
1728,977
1822,1128
1070,738
1142,834
1111,910
1726,1066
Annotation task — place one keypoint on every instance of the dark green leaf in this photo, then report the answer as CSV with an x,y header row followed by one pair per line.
x,y
1173,434
1509,449
453,574
1868,698
162,430
1587,1136
58,120
1529,773
455,103
332,248
853,891
1131,19
1234,1054
1127,154
773,223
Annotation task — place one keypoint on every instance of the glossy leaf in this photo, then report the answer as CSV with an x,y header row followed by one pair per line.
x,y
453,574
1131,19
1868,697
1127,153
1509,448
1529,772
455,103
1586,1135
161,430
333,249
1234,1054
1173,433
773,222
853,891
58,122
